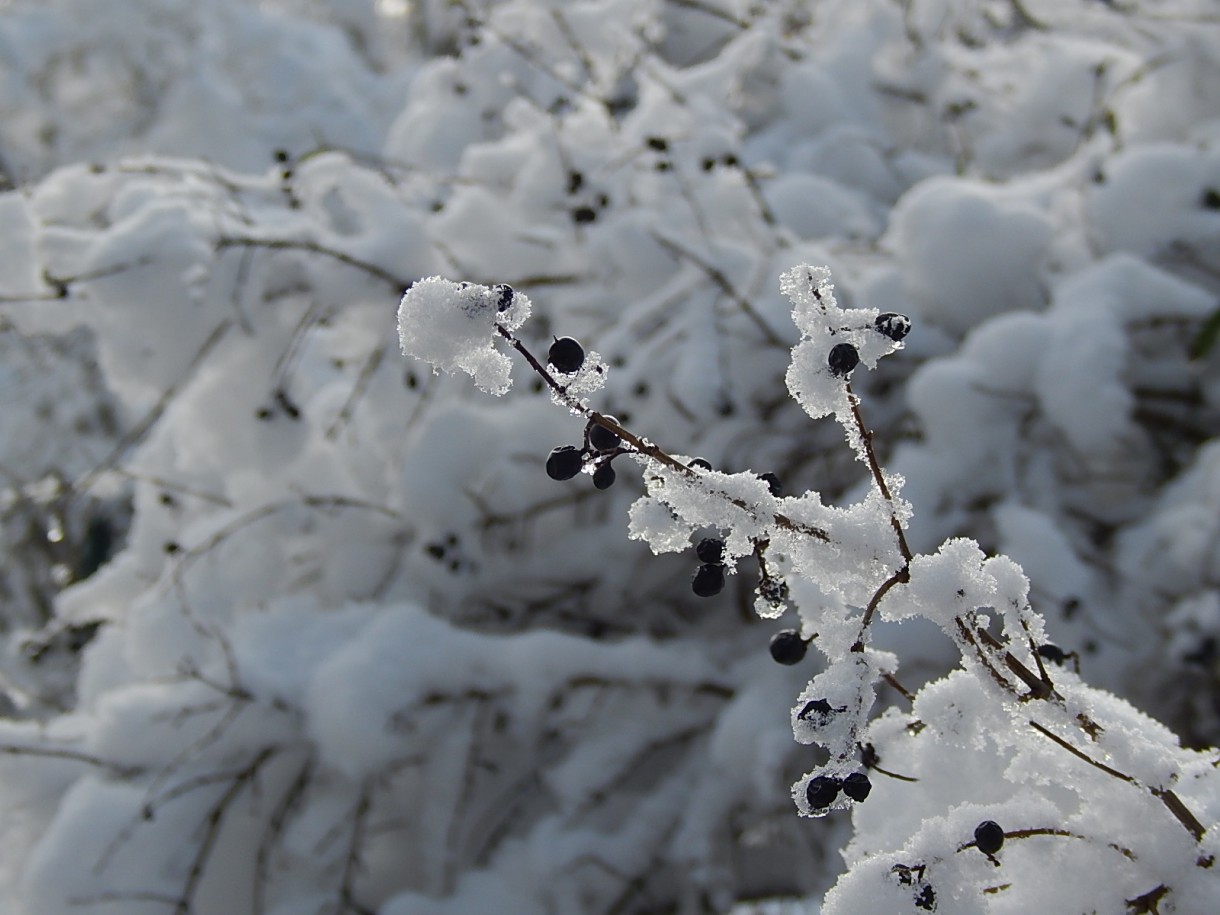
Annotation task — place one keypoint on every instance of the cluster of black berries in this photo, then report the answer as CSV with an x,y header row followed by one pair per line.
x,y
914,876
844,357
988,838
566,356
823,789
708,579
600,448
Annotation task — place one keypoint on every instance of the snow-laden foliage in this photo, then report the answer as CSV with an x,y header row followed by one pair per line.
x,y
1020,757
293,625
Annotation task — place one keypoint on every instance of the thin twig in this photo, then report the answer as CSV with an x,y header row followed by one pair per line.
x,y
1165,795
643,446
212,824
118,769
275,826
717,276
137,433
1053,831
312,247
351,861
866,438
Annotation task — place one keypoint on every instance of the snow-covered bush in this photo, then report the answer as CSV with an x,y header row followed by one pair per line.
x,y
341,643
1006,752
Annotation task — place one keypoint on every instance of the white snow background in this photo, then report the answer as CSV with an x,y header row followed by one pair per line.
x,y
294,624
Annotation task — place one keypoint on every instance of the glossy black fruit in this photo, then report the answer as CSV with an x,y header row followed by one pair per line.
x,y
773,483
822,791
603,476
564,462
842,359
787,646
857,786
566,355
988,837
602,439
893,325
708,579
700,462
818,711
710,549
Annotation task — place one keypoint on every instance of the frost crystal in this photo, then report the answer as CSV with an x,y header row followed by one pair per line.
x,y
454,326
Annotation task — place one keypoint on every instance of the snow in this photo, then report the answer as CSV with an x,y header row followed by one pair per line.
x,y
966,254
293,624
453,326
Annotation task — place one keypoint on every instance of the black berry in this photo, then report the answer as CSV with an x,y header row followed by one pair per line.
x,y
603,476
564,462
926,900
822,791
773,590
893,325
787,646
566,355
504,296
1052,653
602,439
988,837
584,215
842,359
710,549
773,483
818,709
857,786
708,579
700,462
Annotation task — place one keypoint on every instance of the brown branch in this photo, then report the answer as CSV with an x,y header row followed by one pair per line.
x,y
1147,903
643,446
866,438
982,655
902,576
1055,831
1165,795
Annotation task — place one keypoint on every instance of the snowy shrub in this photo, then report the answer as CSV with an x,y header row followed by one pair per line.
x,y
292,625
1008,738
